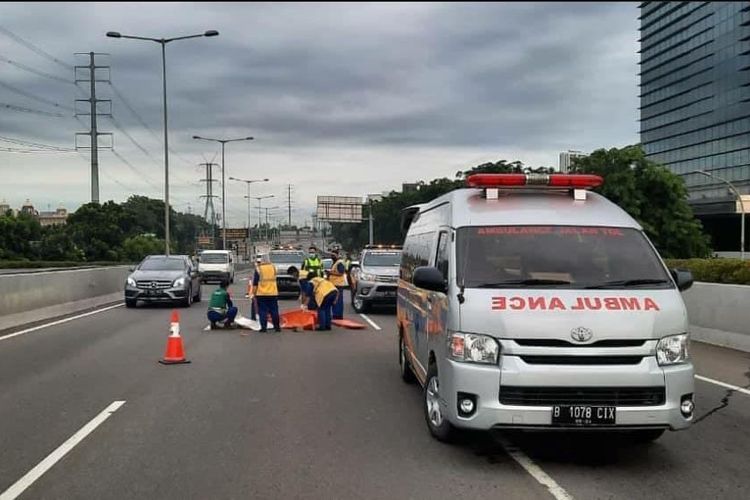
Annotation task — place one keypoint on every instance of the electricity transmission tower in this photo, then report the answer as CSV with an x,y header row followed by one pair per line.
x,y
89,74
209,196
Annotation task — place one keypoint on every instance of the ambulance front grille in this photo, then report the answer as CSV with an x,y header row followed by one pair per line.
x,y
606,396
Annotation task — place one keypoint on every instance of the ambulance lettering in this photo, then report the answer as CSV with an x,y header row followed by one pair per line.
x,y
515,303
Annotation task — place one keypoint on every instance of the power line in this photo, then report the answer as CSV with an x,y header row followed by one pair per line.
x,y
38,145
142,122
35,97
35,71
22,109
134,169
34,48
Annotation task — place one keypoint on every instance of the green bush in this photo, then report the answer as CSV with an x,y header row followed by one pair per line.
x,y
734,271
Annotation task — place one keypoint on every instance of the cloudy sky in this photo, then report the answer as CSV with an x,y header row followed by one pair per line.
x,y
343,99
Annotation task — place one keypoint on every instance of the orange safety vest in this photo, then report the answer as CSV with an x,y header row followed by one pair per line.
x,y
321,288
267,281
338,280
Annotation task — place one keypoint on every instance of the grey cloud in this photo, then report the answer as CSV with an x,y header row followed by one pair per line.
x,y
330,79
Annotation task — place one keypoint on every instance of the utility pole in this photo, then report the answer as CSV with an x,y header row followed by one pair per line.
x,y
209,196
93,132
289,204
370,203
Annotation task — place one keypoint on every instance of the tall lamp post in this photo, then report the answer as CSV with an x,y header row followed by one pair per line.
x,y
260,198
163,42
742,206
223,143
248,182
267,225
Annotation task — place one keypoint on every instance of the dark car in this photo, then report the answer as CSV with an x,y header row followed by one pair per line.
x,y
161,278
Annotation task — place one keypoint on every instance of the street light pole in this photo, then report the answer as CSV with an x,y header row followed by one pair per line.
x,y
742,207
248,182
259,198
164,42
223,142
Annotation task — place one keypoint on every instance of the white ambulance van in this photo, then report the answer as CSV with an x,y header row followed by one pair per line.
x,y
530,302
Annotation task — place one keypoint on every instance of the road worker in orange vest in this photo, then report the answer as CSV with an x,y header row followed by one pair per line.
x,y
325,296
267,294
337,276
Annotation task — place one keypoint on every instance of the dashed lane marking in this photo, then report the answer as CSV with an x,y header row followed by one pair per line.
x,y
372,323
59,322
30,477
535,471
724,384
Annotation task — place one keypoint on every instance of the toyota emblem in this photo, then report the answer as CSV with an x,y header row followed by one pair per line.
x,y
581,334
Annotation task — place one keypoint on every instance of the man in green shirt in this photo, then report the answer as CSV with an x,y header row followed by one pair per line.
x,y
220,306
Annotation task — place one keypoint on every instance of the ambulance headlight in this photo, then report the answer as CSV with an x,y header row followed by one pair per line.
x,y
473,348
672,350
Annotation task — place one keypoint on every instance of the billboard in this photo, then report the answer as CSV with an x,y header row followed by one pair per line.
x,y
339,209
235,233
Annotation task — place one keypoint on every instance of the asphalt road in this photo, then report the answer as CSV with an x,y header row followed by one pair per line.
x,y
310,415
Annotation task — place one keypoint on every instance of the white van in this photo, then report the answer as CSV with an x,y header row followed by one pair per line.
x,y
528,302
216,265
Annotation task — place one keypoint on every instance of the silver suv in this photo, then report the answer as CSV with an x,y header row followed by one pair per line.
x,y
375,279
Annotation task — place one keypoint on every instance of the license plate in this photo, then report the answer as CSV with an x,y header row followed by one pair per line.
x,y
389,294
583,415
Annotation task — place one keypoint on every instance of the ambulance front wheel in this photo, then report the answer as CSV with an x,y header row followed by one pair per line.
x,y
434,413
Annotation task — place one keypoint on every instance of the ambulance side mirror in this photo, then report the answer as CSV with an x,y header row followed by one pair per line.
x,y
683,278
429,278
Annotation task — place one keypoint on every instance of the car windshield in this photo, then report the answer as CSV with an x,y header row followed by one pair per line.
x,y
557,257
382,259
214,258
287,258
164,264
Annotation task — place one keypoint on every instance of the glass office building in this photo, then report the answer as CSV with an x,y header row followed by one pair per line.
x,y
695,102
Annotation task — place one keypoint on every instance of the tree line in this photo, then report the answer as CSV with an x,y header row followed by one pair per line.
x,y
649,192
112,232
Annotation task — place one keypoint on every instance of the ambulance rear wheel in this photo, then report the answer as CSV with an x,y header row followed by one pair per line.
x,y
434,413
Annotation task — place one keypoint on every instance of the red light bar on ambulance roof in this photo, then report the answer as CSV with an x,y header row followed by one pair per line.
x,y
551,180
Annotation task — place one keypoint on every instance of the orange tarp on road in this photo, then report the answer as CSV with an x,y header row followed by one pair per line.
x,y
296,318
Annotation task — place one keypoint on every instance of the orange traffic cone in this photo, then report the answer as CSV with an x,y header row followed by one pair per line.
x,y
175,353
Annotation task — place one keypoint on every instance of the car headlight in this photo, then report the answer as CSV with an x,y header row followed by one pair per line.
x,y
131,281
367,277
672,350
178,282
473,348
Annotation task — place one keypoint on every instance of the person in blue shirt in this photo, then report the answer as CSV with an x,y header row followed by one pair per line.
x,y
306,291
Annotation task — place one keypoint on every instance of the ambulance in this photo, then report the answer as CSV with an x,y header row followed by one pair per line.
x,y
528,301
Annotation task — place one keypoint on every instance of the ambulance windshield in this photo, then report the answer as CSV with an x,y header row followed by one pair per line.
x,y
557,257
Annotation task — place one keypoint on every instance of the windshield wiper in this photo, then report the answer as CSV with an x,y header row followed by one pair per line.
x,y
525,282
631,282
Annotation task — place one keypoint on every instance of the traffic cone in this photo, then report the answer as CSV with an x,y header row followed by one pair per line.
x,y
175,353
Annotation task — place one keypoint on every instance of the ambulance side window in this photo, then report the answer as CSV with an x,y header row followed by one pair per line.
x,y
441,261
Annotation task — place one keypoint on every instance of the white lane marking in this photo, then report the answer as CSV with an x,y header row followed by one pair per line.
x,y
724,384
58,322
372,323
535,471
30,477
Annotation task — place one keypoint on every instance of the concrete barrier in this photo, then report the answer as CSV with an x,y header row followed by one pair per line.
x,y
32,295
719,314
